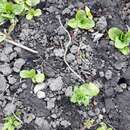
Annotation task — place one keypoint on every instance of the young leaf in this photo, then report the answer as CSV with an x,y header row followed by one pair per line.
x,y
114,32
73,23
125,50
88,12
39,78
37,12
119,44
32,2
29,16
86,23
27,73
18,9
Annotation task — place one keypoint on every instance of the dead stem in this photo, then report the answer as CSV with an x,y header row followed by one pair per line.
x,y
21,46
66,50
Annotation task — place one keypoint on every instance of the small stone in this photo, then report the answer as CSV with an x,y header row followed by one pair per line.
x,y
56,84
118,89
91,113
24,86
102,23
39,87
3,83
51,103
42,123
65,123
18,64
11,80
9,109
68,91
66,11
41,94
12,55
123,85
59,52
8,49
97,111
4,57
5,69
108,74
74,49
70,57
101,73
54,116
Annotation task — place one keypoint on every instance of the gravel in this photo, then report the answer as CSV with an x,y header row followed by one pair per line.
x,y
51,103
108,74
18,64
41,94
65,123
59,52
56,84
3,84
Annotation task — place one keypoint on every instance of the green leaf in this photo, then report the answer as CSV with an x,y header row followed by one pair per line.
x,y
39,78
114,33
2,37
86,23
37,12
32,2
27,73
91,89
119,44
29,16
88,12
125,50
18,9
109,129
80,14
73,23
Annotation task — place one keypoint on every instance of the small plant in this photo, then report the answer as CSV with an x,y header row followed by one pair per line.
x,y
11,123
121,39
83,20
31,74
89,123
82,94
103,127
9,10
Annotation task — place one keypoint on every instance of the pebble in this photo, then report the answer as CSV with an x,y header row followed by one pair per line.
x,y
28,118
65,123
123,85
59,52
18,64
39,87
56,84
3,83
70,57
108,74
68,91
51,103
41,94
11,79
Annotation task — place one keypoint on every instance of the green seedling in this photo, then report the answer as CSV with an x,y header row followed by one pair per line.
x,y
103,126
83,19
11,123
31,74
121,39
83,93
89,123
9,10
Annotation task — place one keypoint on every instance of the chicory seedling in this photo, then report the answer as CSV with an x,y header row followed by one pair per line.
x,y
121,39
103,127
31,74
83,19
11,123
83,93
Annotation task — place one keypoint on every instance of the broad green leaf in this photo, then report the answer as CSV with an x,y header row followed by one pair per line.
x,y
27,73
29,16
80,14
2,9
109,129
114,33
86,23
125,50
73,23
37,12
32,2
91,89
18,9
8,16
40,78
2,37
119,44
88,12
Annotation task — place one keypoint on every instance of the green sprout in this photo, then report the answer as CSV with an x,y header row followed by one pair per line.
x,y
103,126
121,39
83,93
31,74
89,123
83,19
11,123
9,10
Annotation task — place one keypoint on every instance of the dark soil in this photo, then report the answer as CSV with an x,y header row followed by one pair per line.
x,y
103,64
